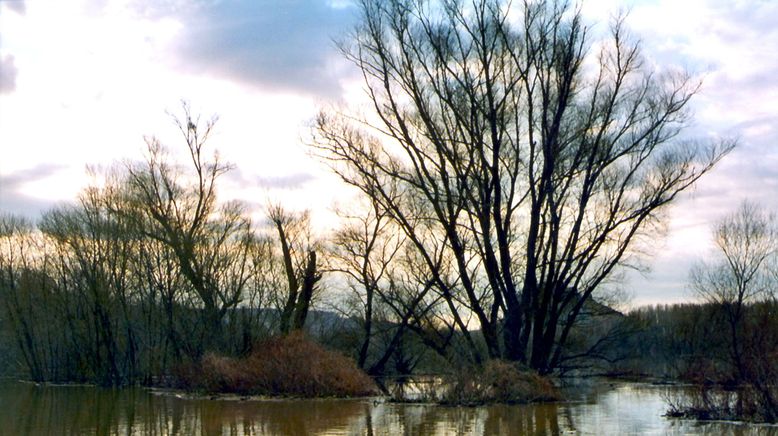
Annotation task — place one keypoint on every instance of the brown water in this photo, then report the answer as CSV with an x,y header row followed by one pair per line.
x,y
622,408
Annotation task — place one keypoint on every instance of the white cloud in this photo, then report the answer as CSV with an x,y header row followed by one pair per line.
x,y
97,76
733,47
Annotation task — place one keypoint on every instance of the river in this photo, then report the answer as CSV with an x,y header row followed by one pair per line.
x,y
612,408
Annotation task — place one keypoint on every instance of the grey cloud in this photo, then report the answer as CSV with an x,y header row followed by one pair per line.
x,y
8,73
292,181
770,121
17,6
38,172
752,24
745,20
19,204
756,80
13,201
745,173
753,166
289,181
751,170
273,44
730,94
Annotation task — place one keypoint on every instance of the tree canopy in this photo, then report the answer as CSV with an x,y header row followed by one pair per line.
x,y
521,159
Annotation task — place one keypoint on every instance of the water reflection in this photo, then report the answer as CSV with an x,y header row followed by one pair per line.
x,y
618,409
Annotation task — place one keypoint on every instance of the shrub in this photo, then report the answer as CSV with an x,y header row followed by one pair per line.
x,y
498,382
291,365
710,402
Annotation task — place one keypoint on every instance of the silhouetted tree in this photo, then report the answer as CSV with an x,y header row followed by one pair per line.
x,y
211,242
504,145
363,251
388,295
19,292
298,254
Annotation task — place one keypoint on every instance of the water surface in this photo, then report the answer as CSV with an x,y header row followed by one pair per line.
x,y
612,408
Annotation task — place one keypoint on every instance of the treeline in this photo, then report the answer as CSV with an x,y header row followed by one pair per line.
x,y
690,342
733,375
149,270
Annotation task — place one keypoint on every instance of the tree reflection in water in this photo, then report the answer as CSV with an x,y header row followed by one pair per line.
x,y
624,409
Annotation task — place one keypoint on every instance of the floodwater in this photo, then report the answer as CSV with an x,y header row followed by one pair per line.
x,y
613,408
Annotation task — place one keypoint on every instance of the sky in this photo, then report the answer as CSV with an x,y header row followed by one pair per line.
x,y
83,81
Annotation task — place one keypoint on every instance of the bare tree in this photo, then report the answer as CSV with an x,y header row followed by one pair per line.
x,y
298,254
363,251
94,249
502,145
18,247
740,274
356,248
211,242
146,272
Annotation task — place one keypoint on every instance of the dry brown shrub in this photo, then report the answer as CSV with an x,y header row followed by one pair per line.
x,y
291,365
499,381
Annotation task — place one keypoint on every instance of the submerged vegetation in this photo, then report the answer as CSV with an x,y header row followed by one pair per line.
x,y
708,403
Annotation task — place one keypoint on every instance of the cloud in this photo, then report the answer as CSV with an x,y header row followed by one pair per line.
x,y
17,6
8,73
744,21
291,181
732,46
16,202
19,178
287,182
270,44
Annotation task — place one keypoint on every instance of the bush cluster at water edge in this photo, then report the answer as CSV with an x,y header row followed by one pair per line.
x,y
290,365
498,381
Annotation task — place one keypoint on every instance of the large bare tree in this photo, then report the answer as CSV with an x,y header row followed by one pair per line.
x,y
531,158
